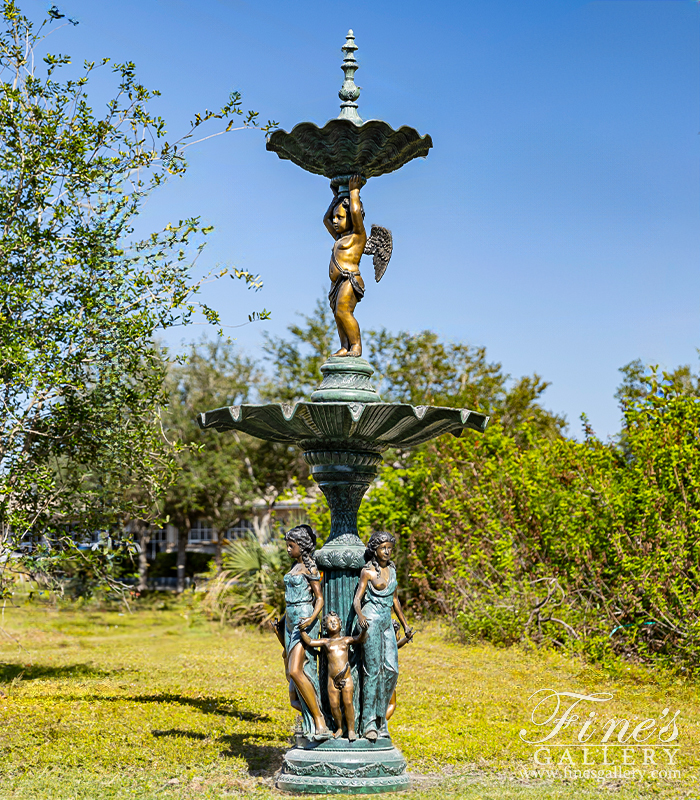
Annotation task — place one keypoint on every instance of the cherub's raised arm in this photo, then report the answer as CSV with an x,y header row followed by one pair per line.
x,y
358,224
329,215
360,638
309,642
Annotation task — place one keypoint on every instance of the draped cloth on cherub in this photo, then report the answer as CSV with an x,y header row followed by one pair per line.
x,y
345,275
380,246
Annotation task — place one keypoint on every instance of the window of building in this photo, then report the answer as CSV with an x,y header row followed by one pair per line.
x,y
201,531
158,542
241,530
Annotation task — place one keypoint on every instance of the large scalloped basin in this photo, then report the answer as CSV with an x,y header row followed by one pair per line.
x,y
343,148
372,425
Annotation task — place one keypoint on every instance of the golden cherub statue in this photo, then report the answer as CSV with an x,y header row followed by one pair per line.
x,y
344,220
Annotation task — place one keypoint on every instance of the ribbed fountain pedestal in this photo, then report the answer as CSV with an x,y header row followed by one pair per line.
x,y
341,767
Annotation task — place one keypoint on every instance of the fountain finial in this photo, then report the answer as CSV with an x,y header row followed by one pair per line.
x,y
349,92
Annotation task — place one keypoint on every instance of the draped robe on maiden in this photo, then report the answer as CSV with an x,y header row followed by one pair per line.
x,y
381,656
299,601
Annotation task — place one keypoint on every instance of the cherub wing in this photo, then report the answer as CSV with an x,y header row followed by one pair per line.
x,y
379,246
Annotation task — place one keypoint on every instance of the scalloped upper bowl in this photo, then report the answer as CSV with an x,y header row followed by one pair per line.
x,y
343,148
372,426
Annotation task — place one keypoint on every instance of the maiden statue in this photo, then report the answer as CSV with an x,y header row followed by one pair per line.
x,y
375,598
304,603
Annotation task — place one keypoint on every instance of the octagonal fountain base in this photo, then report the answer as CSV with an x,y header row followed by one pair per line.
x,y
338,766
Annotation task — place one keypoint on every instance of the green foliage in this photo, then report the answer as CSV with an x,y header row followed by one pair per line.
x,y
588,545
74,572
214,479
80,440
295,360
250,588
423,370
636,384
220,476
410,368
522,534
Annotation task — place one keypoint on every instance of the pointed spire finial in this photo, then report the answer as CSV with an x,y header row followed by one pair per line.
x,y
348,91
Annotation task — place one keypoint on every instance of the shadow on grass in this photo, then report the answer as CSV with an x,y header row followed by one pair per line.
x,y
262,759
180,734
222,706
32,672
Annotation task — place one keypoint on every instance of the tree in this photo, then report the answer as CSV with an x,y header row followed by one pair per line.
x,y
295,360
636,384
220,476
83,298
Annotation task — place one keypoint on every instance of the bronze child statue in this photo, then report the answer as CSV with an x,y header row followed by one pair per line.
x,y
344,220
340,683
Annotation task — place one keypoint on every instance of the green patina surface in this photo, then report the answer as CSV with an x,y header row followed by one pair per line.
x,y
342,433
346,380
341,767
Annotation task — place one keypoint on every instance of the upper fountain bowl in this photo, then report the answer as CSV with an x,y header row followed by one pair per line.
x,y
342,148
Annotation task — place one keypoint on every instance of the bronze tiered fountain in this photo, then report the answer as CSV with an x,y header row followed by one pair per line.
x,y
344,426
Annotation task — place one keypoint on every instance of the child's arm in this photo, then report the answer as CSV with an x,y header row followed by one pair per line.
x,y
278,627
329,214
309,642
360,638
358,224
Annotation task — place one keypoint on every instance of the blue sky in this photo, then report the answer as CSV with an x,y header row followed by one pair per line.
x,y
556,221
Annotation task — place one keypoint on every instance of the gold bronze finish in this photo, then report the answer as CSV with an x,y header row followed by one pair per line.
x,y
340,682
304,603
345,223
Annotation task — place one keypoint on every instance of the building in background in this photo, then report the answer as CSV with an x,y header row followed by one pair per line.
x,y
264,522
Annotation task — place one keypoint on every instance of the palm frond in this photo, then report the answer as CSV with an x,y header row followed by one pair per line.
x,y
250,589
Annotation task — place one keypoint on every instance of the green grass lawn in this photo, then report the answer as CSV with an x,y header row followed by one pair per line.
x,y
162,704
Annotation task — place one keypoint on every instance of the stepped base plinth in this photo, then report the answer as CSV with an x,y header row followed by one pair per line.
x,y
346,380
338,766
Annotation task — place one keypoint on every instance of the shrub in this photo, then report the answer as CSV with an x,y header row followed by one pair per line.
x,y
587,544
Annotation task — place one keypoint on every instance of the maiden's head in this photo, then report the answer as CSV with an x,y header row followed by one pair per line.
x,y
301,543
379,550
